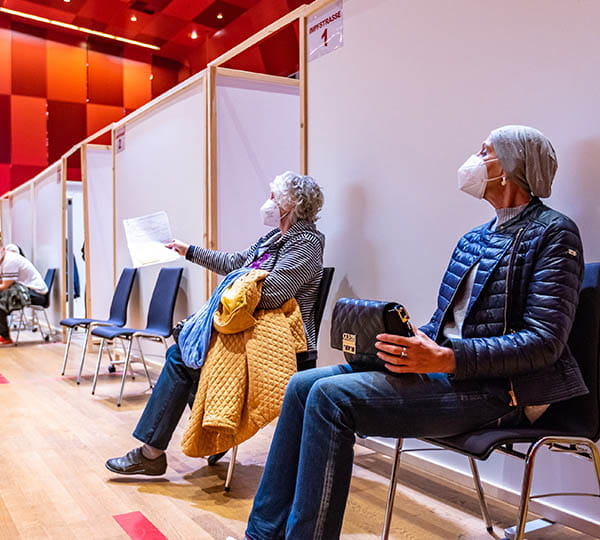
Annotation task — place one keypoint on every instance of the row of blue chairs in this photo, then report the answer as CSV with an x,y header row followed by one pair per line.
x,y
159,322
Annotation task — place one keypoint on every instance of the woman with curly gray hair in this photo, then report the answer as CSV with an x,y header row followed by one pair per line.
x,y
292,253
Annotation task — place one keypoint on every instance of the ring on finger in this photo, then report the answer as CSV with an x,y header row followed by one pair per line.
x,y
403,353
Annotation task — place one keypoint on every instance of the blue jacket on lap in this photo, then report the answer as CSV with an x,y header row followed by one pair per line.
x,y
522,305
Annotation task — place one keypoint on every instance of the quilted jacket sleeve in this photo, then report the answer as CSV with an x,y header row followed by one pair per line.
x,y
298,262
549,310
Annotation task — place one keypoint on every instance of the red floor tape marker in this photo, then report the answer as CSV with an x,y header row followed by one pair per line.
x,y
3,379
138,527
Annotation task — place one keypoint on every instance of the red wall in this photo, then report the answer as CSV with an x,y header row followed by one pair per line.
x,y
55,90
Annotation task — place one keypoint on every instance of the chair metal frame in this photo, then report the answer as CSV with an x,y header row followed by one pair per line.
x,y
131,334
582,447
90,325
323,293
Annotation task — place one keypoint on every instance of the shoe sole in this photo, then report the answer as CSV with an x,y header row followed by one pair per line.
x,y
132,473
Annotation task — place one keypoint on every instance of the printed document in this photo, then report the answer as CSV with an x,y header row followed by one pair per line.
x,y
146,239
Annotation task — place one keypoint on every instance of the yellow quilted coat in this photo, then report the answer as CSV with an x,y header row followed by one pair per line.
x,y
251,357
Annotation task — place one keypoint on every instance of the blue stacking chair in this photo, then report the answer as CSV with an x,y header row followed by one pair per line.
x,y
158,325
117,316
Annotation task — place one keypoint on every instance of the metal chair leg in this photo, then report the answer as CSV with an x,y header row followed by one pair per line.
x,y
526,489
482,504
64,366
98,362
20,326
389,507
50,329
125,367
83,351
231,468
144,361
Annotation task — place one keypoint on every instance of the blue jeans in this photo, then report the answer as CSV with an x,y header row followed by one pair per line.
x,y
176,387
304,487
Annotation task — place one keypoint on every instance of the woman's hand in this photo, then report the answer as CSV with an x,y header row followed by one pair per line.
x,y
178,246
418,354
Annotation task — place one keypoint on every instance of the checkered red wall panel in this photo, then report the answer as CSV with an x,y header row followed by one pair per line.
x,y
55,90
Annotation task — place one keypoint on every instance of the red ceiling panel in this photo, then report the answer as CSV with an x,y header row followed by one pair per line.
x,y
66,127
187,9
5,153
28,134
219,14
28,54
280,52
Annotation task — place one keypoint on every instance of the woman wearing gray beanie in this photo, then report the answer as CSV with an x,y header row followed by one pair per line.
x,y
495,351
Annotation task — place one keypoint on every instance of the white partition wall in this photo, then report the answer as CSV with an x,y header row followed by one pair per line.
x,y
160,165
258,137
48,248
97,173
21,218
5,219
412,92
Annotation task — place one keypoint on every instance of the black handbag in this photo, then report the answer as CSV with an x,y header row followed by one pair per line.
x,y
356,323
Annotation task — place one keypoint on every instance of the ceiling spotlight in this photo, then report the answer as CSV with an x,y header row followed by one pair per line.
x,y
219,15
194,34
133,18
67,1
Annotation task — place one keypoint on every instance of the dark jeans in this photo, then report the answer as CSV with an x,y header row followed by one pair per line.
x,y
176,387
303,491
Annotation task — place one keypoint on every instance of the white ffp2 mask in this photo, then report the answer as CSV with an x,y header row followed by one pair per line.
x,y
270,214
473,176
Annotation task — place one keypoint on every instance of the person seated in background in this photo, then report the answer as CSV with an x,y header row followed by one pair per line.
x,y
494,353
21,286
15,249
292,253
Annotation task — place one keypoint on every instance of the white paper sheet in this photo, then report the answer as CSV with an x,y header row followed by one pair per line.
x,y
146,239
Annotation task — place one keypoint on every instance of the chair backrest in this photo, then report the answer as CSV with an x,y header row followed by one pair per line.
x,y
162,303
322,295
49,280
581,415
120,299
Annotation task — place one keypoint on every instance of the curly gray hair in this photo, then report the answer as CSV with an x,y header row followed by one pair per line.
x,y
300,193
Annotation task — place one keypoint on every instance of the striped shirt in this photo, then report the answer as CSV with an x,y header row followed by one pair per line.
x,y
294,263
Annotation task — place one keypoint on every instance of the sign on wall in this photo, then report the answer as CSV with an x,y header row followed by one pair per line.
x,y
325,30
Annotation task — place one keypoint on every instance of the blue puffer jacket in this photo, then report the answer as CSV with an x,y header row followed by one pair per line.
x,y
522,306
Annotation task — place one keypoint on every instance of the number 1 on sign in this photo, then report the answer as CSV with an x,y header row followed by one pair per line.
x,y
324,36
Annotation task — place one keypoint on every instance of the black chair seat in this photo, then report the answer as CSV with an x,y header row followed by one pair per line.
x,y
111,332
480,444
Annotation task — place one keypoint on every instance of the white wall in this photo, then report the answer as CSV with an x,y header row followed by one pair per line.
x,y
48,239
6,220
21,216
99,250
413,91
162,168
258,137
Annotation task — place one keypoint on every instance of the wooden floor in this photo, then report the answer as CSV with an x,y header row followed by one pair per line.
x,y
56,437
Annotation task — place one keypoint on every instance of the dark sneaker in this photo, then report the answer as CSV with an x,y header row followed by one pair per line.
x,y
212,460
134,462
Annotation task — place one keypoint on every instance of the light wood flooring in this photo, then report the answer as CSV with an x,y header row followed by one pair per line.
x,y
56,437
